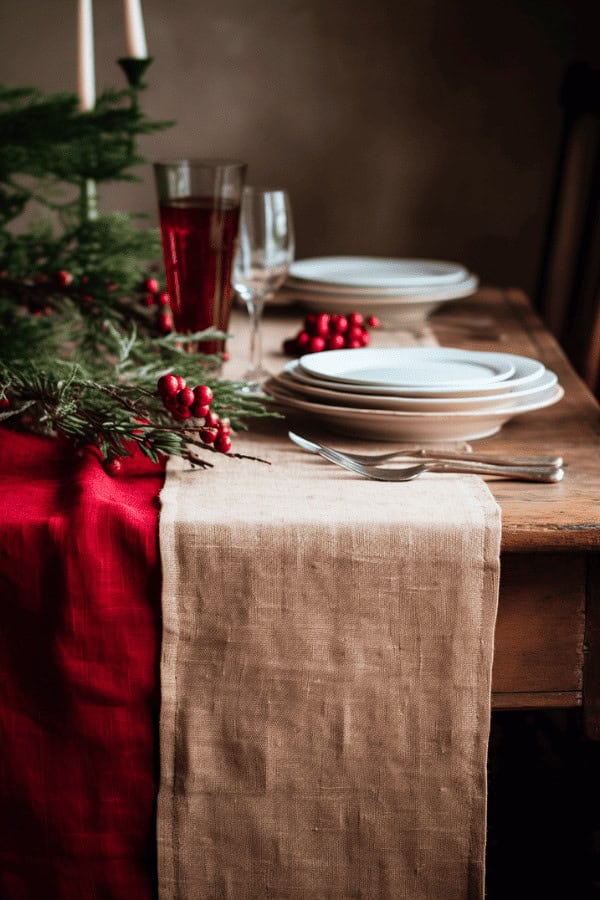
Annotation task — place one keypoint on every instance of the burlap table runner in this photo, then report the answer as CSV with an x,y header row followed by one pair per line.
x,y
326,664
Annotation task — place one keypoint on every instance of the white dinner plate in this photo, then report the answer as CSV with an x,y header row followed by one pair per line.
x,y
321,292
409,367
370,272
385,425
396,315
309,294
527,371
503,398
395,309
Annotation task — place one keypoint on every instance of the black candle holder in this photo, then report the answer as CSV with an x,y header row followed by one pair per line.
x,y
135,68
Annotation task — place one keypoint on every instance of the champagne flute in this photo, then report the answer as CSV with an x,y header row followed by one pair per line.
x,y
265,251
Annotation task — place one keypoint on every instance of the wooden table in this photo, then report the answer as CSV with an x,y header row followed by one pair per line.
x,y
547,651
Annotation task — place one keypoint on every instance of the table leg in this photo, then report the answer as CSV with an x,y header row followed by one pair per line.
x,y
591,662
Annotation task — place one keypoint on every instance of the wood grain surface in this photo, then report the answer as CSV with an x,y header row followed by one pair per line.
x,y
558,517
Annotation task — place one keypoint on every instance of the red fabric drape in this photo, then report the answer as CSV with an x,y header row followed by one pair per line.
x,y
79,637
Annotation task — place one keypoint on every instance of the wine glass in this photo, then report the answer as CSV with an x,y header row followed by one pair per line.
x,y
265,251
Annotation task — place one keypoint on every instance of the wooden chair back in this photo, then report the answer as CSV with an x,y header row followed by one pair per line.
x,y
568,293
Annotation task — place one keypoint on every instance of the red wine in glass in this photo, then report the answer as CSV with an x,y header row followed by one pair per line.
x,y
199,236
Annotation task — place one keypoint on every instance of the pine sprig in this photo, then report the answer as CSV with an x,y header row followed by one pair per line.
x,y
80,351
116,407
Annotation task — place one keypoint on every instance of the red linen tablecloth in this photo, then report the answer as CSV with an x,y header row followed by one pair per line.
x,y
79,643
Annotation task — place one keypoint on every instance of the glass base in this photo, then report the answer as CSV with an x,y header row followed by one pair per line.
x,y
255,379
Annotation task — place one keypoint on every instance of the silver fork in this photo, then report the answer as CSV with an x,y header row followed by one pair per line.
x,y
547,475
378,459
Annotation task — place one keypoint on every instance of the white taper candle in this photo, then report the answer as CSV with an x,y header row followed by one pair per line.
x,y
86,80
134,29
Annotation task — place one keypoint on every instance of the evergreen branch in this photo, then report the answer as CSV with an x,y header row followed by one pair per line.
x,y
80,350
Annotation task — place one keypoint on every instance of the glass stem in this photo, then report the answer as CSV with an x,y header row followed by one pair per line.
x,y
255,309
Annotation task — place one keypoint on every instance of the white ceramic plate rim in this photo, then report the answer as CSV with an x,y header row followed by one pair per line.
x,y
351,367
324,409
526,371
421,404
313,292
372,271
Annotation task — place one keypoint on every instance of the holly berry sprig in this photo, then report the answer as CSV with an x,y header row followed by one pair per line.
x,y
324,331
185,403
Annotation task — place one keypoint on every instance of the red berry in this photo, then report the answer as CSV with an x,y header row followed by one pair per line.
x,y
149,300
203,395
170,403
64,278
354,333
163,299
303,340
353,343
208,435
373,322
182,412
5,403
223,442
356,318
316,344
290,347
211,419
199,411
87,298
322,324
152,285
112,466
313,324
364,338
165,323
339,325
225,356
185,397
168,385
335,342
181,382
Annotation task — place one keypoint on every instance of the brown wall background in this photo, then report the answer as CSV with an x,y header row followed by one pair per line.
x,y
413,128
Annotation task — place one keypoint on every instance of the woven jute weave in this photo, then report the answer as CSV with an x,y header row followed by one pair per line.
x,y
325,675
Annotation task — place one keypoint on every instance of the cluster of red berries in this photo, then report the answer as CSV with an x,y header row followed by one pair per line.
x,y
155,297
322,331
186,403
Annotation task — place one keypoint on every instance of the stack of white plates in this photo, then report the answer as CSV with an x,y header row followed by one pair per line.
x,y
397,291
414,393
